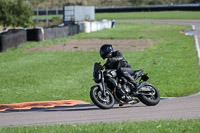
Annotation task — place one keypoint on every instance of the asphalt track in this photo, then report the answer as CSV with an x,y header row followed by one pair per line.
x,y
168,109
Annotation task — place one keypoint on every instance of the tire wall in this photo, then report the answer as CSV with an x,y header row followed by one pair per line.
x,y
12,38
35,34
60,31
74,29
49,33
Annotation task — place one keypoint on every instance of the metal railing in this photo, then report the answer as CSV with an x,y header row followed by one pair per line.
x,y
46,14
183,7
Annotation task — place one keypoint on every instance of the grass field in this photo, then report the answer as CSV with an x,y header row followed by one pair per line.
x,y
163,15
172,65
167,126
43,17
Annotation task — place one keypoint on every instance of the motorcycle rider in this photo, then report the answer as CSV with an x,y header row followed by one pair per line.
x,y
115,60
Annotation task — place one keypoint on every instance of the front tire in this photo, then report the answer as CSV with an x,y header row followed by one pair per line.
x,y
150,100
100,101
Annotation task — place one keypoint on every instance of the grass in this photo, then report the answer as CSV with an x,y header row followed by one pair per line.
x,y
43,17
172,65
164,126
163,15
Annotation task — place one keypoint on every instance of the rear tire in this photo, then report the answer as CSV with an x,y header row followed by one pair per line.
x,y
150,100
98,100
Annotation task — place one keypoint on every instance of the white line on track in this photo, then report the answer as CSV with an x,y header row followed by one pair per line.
x,y
197,47
197,44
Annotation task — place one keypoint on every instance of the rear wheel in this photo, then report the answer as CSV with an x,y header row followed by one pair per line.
x,y
103,102
151,98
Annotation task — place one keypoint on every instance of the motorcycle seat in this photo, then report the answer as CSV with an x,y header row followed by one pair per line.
x,y
137,73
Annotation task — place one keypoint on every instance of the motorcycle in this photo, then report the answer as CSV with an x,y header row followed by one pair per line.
x,y
110,88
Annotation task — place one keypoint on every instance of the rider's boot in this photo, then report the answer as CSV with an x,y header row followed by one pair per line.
x,y
134,101
125,99
129,100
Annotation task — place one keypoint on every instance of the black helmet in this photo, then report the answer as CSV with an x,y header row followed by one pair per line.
x,y
105,50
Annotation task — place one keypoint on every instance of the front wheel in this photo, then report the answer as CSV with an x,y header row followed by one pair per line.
x,y
103,102
150,98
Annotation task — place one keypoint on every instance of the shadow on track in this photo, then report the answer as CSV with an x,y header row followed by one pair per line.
x,y
89,108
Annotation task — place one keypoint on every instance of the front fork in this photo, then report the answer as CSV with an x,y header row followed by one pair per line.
x,y
102,85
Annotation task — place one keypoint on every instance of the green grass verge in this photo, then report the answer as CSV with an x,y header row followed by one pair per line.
x,y
150,15
49,17
163,15
172,65
167,126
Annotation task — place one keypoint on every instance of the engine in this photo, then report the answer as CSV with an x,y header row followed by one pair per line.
x,y
124,88
122,85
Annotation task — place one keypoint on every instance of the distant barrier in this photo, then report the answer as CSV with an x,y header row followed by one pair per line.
x,y
181,7
49,33
94,26
12,38
73,29
60,31
35,34
55,32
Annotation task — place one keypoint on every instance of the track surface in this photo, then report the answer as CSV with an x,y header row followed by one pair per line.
x,y
170,109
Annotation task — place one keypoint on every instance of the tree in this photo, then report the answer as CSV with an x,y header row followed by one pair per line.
x,y
5,14
15,13
23,13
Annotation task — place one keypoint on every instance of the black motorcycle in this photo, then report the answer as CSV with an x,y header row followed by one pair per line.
x,y
110,88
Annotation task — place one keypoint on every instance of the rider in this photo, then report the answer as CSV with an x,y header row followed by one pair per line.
x,y
115,60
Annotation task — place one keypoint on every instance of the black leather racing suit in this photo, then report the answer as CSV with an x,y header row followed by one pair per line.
x,y
118,62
